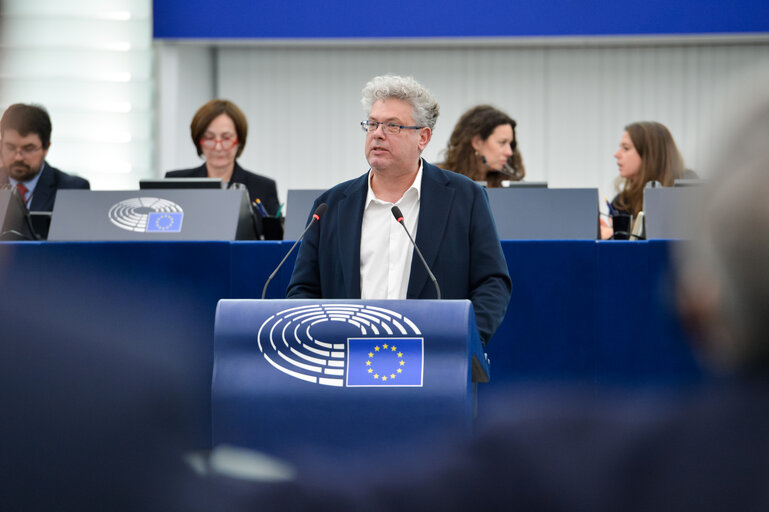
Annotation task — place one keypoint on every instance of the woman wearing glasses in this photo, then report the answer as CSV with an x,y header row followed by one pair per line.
x,y
219,129
483,147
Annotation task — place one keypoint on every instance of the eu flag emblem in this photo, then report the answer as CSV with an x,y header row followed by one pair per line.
x,y
165,222
387,362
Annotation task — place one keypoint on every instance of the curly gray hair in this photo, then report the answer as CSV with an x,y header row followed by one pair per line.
x,y
425,108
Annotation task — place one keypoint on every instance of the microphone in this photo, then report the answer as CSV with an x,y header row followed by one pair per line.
x,y
319,211
399,217
506,169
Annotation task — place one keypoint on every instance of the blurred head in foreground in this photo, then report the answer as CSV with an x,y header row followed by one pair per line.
x,y
724,272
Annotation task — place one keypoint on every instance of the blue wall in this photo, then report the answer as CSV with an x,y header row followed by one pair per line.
x,y
297,19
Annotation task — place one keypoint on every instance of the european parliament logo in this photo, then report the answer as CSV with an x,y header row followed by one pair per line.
x,y
344,345
147,215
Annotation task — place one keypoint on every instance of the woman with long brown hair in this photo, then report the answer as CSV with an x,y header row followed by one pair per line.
x,y
483,147
647,152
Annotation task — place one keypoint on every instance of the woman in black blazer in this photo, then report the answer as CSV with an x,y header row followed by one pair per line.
x,y
219,129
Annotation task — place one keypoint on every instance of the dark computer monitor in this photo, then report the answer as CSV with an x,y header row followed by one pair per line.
x,y
41,223
524,184
517,184
179,183
688,182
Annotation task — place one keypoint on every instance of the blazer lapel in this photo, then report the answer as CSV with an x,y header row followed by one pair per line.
x,y
201,172
434,208
238,174
349,218
45,191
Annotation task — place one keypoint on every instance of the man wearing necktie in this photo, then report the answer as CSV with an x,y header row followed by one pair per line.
x,y
26,137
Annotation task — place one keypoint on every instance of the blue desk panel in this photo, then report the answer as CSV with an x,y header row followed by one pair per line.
x,y
158,296
596,312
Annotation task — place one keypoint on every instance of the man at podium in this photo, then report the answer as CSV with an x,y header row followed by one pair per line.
x,y
359,250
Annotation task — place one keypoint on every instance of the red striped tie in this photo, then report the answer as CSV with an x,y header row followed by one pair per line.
x,y
23,190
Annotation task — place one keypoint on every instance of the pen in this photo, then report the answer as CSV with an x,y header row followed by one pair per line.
x,y
260,207
280,209
612,212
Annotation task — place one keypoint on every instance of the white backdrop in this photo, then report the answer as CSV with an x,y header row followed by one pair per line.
x,y
90,63
570,99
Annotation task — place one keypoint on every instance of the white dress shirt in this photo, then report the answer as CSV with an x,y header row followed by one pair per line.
x,y
385,249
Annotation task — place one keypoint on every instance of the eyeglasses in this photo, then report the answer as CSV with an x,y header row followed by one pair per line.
x,y
25,151
391,128
227,143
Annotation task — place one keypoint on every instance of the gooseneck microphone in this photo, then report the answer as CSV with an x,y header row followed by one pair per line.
x,y
399,217
319,211
506,169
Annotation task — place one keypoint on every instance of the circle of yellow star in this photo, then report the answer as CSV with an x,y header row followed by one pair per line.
x,y
371,355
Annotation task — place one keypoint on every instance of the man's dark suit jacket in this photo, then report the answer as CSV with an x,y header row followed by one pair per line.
x,y
456,234
51,180
258,186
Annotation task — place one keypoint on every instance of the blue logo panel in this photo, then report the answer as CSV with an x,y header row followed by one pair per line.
x,y
165,222
385,362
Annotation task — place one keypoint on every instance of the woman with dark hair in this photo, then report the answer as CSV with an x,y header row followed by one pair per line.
x,y
483,147
647,152
219,129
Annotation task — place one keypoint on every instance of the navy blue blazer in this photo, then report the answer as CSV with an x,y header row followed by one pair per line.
x,y
51,180
258,186
456,234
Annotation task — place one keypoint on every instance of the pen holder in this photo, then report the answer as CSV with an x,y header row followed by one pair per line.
x,y
621,222
272,228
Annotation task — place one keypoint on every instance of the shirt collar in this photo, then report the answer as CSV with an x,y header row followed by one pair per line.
x,y
417,185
